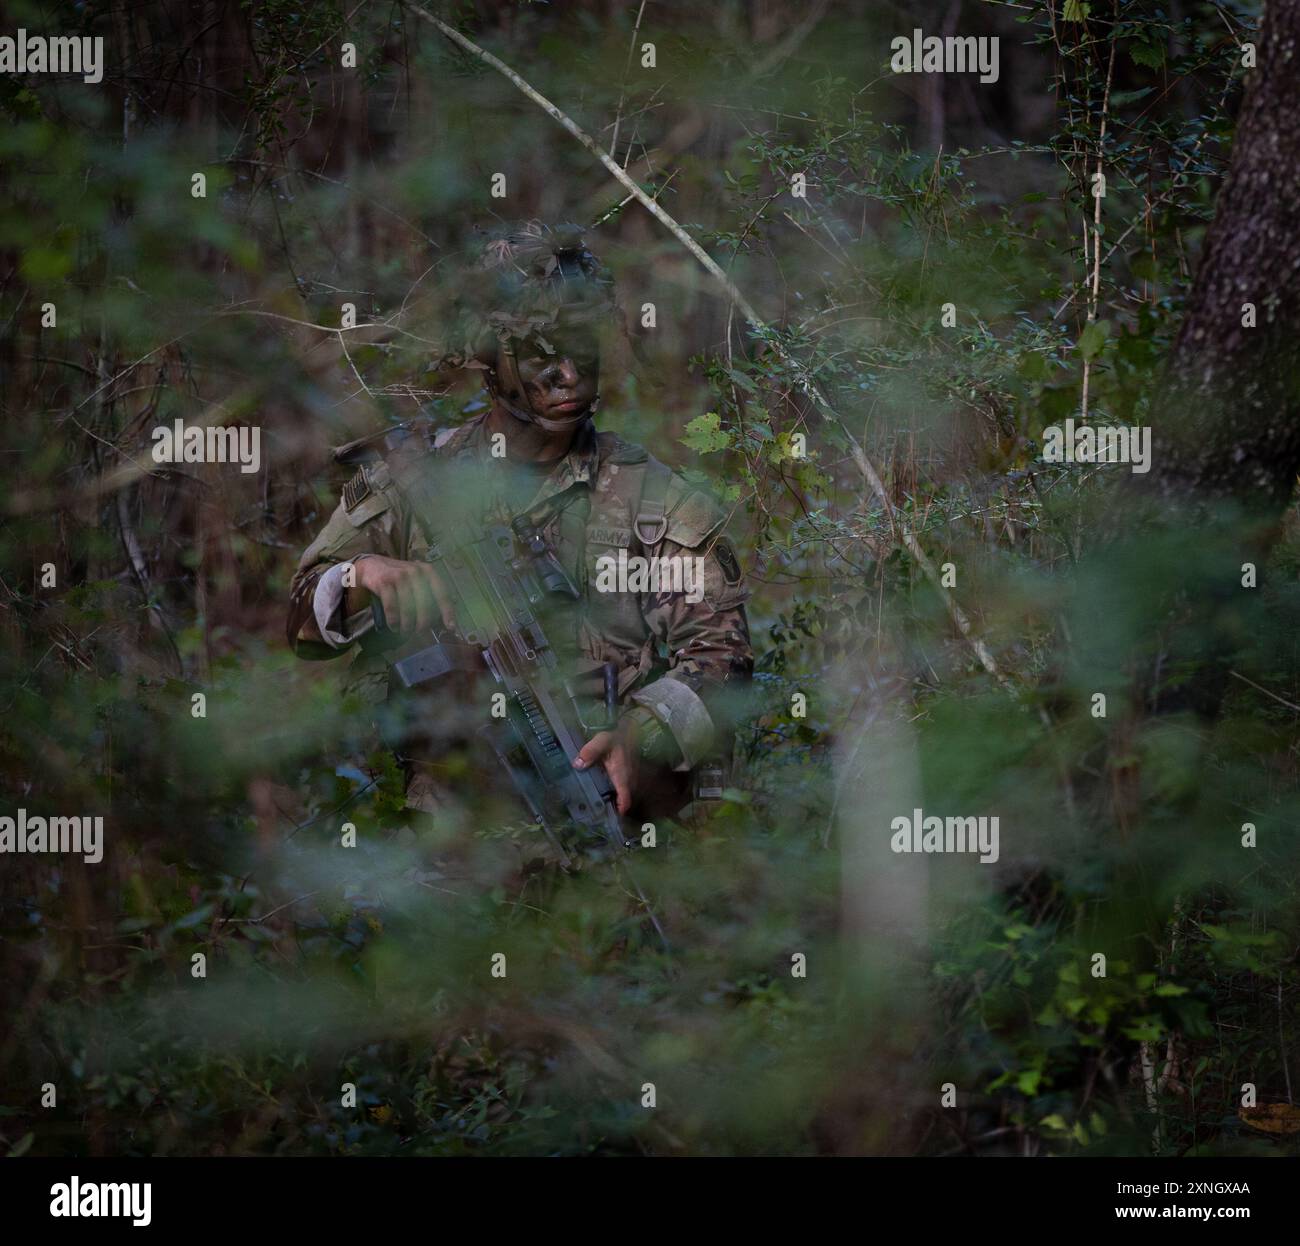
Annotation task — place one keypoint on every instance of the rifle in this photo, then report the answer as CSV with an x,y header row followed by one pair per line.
x,y
495,590
498,581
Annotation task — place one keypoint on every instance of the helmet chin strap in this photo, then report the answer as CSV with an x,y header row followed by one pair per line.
x,y
509,390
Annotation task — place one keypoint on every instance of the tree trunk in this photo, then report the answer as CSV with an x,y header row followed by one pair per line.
x,y
1229,424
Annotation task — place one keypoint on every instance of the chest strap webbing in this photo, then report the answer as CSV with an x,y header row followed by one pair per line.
x,y
651,521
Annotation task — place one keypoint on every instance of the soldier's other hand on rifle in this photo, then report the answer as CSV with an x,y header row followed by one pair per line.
x,y
411,593
618,749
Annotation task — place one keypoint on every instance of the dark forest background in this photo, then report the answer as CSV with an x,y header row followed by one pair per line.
x,y
948,624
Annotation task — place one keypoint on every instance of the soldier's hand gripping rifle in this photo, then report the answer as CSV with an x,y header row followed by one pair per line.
x,y
497,582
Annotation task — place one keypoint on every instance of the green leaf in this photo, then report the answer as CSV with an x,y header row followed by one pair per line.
x,y
1150,54
704,434
1147,1030
1143,267
1075,11
196,918
1093,338
1034,366
40,264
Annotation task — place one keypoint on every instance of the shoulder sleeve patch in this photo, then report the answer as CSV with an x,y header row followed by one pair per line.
x,y
356,491
365,495
726,557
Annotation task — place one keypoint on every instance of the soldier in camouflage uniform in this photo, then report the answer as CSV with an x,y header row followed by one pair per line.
x,y
591,494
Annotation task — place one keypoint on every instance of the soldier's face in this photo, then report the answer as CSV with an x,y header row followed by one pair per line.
x,y
562,385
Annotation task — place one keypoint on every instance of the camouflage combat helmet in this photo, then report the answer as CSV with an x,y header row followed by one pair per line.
x,y
529,284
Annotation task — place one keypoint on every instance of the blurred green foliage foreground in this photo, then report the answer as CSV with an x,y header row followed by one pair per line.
x,y
824,995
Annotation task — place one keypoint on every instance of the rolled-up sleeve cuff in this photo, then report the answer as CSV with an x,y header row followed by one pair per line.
x,y
327,607
684,716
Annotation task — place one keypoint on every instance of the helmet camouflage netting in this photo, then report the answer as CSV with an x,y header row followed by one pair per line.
x,y
523,282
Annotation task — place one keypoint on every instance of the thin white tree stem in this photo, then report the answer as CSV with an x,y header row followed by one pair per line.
x,y
627,69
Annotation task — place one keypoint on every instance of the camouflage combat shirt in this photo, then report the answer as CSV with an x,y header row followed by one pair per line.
x,y
675,657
